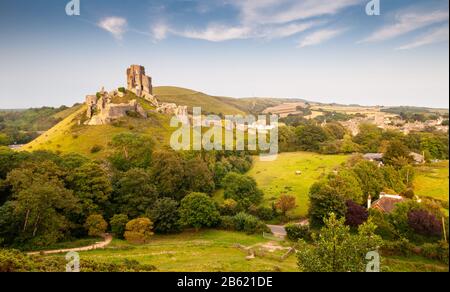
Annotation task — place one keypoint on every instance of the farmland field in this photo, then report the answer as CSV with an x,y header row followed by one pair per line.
x,y
279,177
432,181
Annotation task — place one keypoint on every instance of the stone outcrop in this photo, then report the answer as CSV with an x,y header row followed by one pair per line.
x,y
102,111
140,84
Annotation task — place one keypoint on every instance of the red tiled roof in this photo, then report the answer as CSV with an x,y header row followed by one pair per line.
x,y
386,204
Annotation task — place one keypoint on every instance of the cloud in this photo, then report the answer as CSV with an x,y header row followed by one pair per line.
x,y
117,26
437,35
160,31
319,37
284,11
406,22
265,19
217,33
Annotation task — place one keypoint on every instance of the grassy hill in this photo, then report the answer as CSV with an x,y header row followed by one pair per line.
x,y
191,98
71,135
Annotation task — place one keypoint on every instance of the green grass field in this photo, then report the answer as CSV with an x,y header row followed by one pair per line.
x,y
203,251
214,251
432,180
279,176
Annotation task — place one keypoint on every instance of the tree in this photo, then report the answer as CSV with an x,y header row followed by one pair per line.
x,y
95,225
198,210
242,189
165,216
40,202
310,137
4,140
118,223
131,151
424,223
168,174
355,215
139,230
323,201
91,186
198,176
134,192
370,177
336,249
346,184
396,150
335,130
369,137
285,203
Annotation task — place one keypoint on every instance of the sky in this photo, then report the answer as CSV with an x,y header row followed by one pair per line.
x,y
320,50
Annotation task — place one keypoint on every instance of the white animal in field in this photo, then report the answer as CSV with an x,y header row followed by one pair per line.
x,y
298,172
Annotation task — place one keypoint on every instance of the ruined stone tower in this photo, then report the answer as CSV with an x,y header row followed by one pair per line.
x,y
138,82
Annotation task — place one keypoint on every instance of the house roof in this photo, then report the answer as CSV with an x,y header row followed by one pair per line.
x,y
386,203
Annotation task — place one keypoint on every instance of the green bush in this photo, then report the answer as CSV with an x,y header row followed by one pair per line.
x,y
296,232
264,213
122,89
249,223
436,251
227,223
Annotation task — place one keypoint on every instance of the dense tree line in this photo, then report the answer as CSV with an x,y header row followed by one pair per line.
x,y
46,198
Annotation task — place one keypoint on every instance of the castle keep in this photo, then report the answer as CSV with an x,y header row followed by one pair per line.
x,y
138,82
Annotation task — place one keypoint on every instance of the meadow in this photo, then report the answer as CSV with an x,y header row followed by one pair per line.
x,y
432,180
279,177
215,251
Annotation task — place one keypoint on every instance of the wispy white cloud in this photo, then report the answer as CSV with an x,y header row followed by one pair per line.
x,y
406,22
319,37
436,35
217,33
265,19
283,11
160,31
117,26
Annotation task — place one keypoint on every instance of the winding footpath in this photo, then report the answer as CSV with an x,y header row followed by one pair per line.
x,y
107,240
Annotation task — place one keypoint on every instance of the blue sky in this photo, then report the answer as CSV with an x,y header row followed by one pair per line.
x,y
322,50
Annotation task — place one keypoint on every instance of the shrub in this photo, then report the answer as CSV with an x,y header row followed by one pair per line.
x,y
96,149
436,251
198,210
399,247
408,193
229,207
248,223
122,89
95,225
166,216
297,231
227,223
355,215
424,223
139,230
118,223
264,213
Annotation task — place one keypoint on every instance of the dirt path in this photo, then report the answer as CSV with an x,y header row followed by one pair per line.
x,y
107,240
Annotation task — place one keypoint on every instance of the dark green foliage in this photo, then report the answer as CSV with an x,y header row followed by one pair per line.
x,y
118,223
242,189
198,210
165,216
310,137
131,150
248,223
297,231
324,200
134,192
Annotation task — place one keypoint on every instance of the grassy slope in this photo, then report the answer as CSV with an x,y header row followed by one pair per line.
x,y
190,98
204,251
278,177
213,250
68,136
432,180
